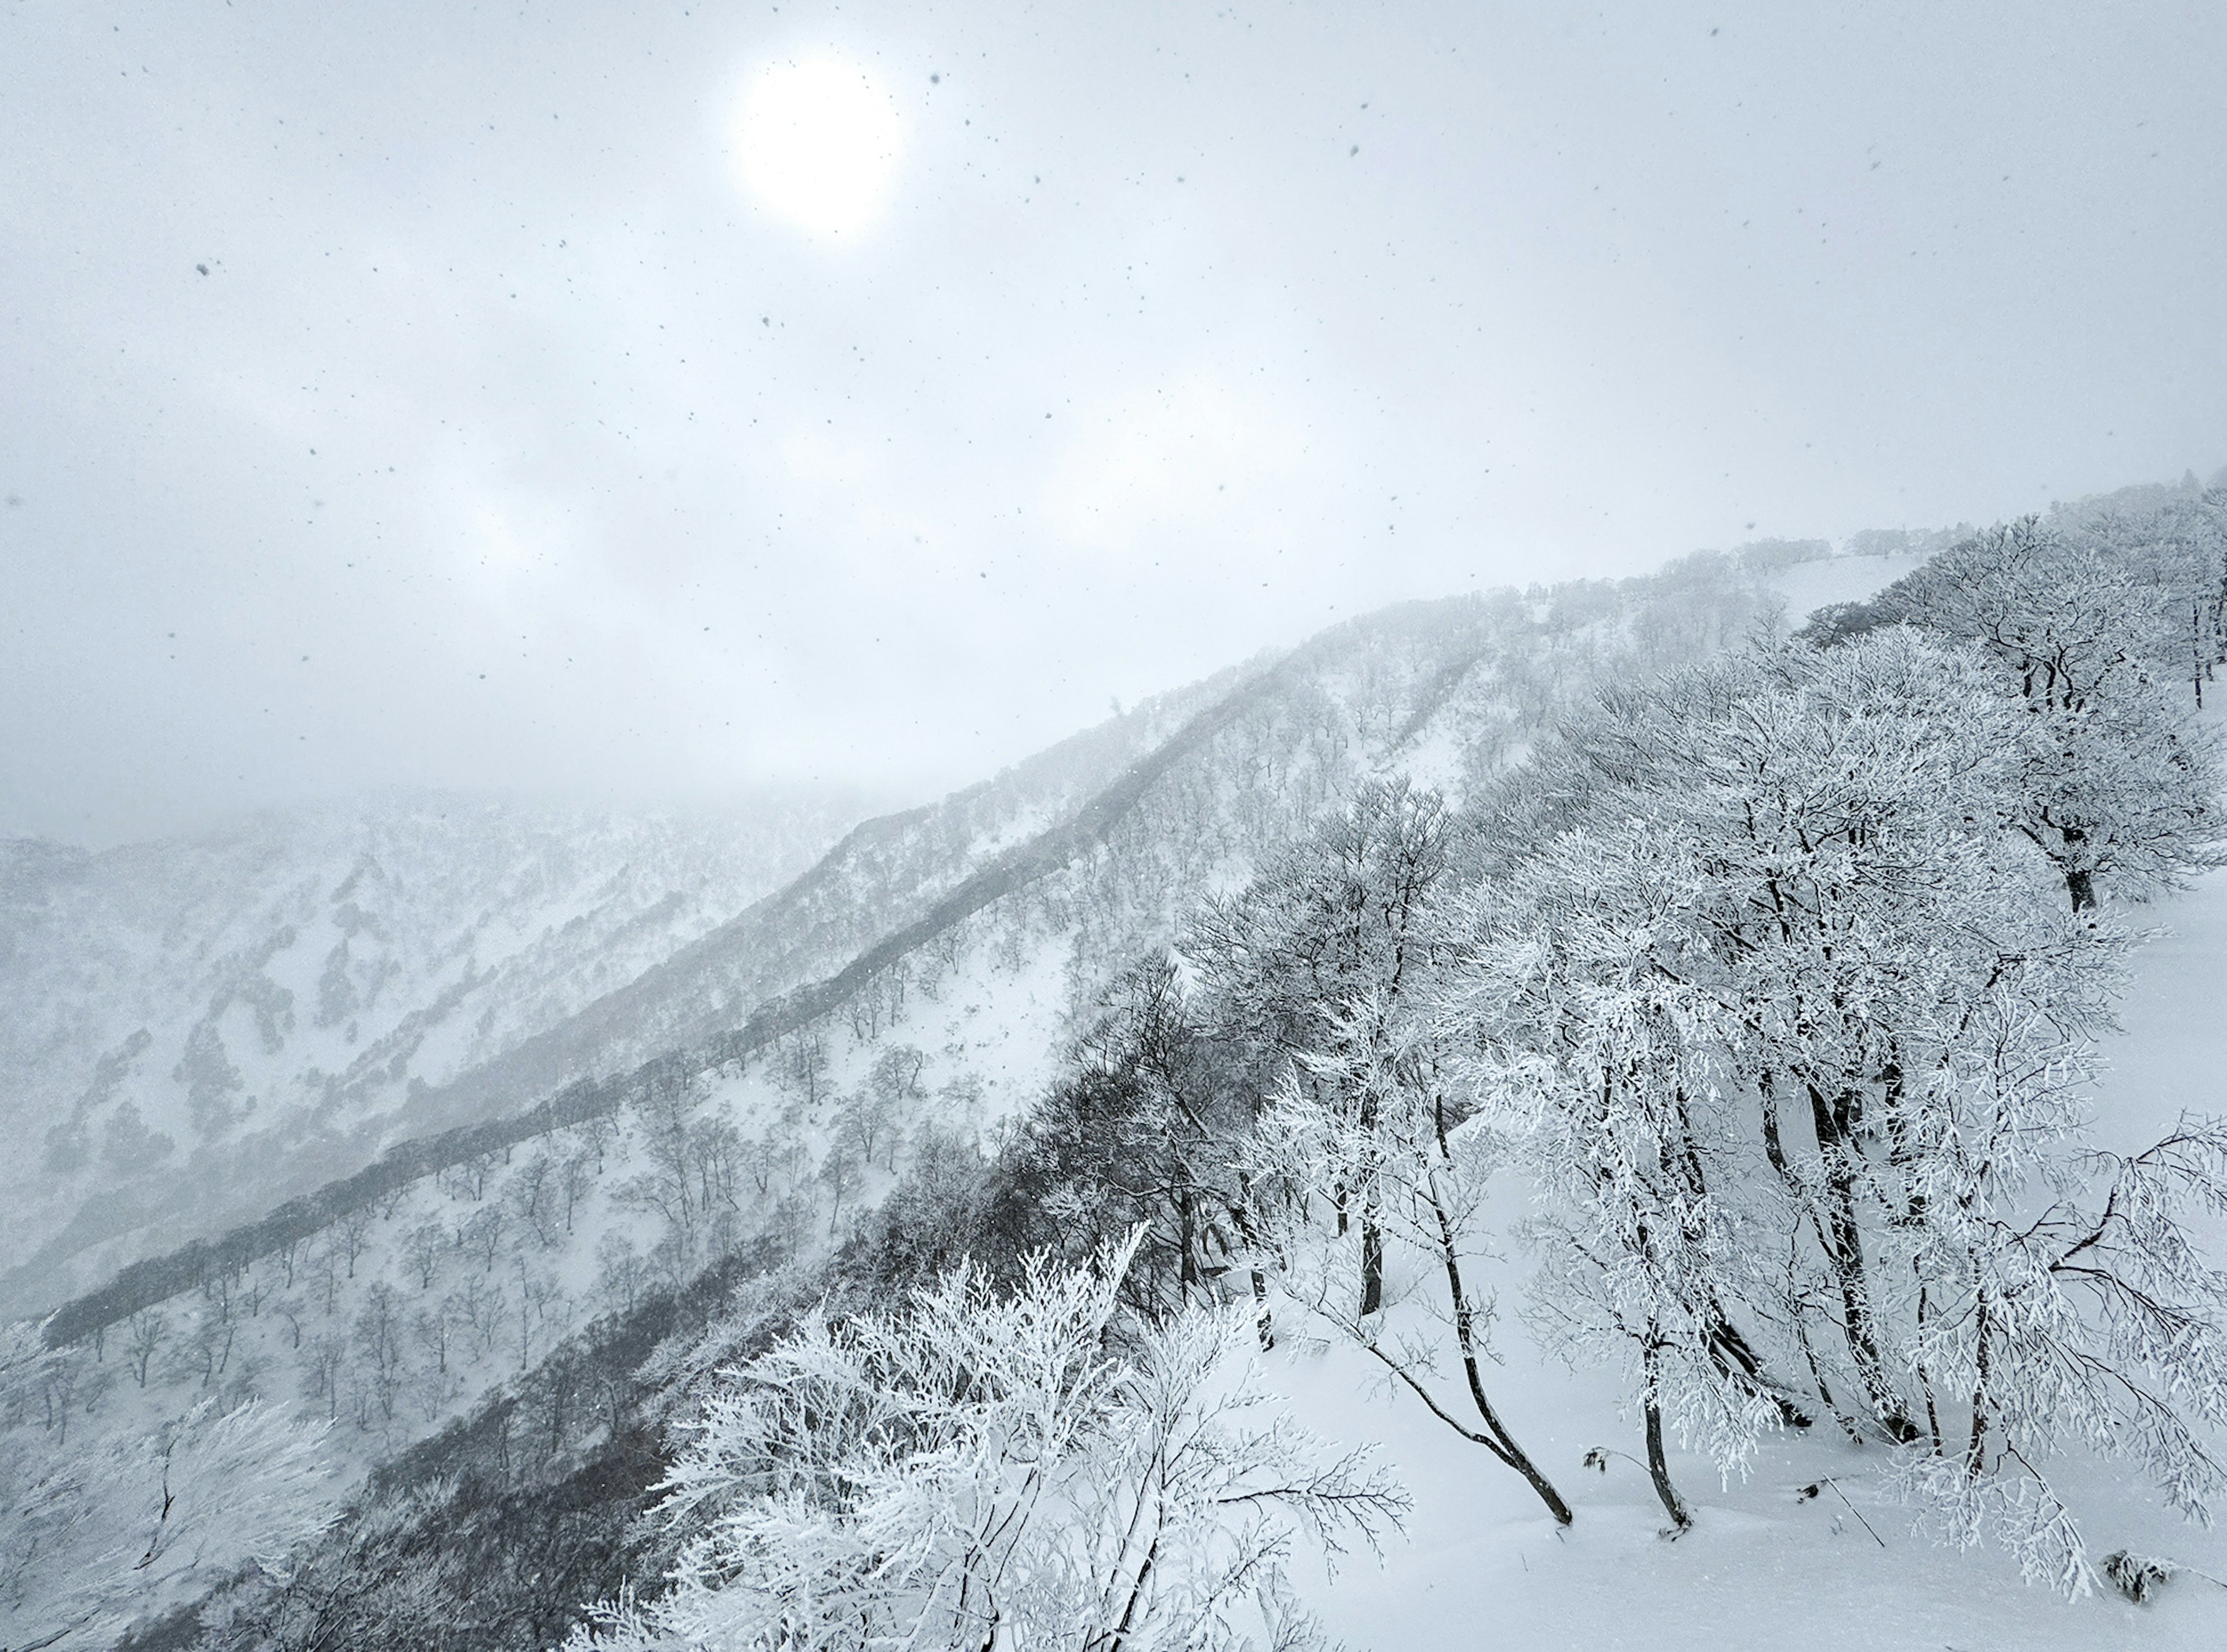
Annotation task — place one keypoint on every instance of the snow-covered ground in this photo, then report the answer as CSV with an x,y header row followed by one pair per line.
x,y
1482,1565
1808,586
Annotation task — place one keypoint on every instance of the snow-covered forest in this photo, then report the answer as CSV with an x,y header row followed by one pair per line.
x,y
1626,1107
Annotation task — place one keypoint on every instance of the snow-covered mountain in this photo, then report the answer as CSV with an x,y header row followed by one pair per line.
x,y
270,1008
1105,836
198,1026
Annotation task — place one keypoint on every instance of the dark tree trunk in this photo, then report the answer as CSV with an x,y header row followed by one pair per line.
x,y
1844,1253
1658,1468
1263,1324
1372,1237
2079,880
1730,1353
1775,1150
1466,1338
1188,1267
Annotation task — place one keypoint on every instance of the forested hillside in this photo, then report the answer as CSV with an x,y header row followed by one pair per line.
x,y
199,1026
1600,974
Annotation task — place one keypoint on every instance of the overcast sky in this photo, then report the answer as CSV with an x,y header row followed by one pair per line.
x,y
645,402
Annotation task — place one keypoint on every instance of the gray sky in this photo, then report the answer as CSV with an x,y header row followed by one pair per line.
x,y
558,412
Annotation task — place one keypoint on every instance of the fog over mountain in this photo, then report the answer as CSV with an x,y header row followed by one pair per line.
x,y
1155,828
524,431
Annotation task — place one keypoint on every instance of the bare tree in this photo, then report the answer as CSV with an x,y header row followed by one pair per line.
x,y
539,1299
378,1330
482,1236
479,1306
620,1271
597,1133
150,1329
353,1234
574,1180
531,1194
432,1329
422,1248
841,1172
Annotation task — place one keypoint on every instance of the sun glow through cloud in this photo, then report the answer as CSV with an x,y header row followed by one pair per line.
x,y
817,142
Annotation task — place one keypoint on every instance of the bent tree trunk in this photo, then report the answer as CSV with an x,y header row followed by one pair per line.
x,y
1501,1443
1658,1468
1736,1360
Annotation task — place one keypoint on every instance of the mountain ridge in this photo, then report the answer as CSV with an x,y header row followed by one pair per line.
x,y
1463,642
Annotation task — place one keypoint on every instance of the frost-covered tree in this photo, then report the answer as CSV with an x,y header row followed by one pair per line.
x,y
1372,1122
992,1471
2098,1324
1838,808
2116,779
1141,1135
1342,915
1782,971
1602,1070
2120,789
91,1540
2178,548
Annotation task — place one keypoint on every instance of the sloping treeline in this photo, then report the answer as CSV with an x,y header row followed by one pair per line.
x,y
145,1284
157,1280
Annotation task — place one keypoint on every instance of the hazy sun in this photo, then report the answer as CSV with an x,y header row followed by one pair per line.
x,y
816,142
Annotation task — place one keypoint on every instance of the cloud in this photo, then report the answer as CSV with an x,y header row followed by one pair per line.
x,y
580,431
1203,456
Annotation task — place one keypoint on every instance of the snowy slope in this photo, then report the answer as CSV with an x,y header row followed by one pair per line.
x,y
1764,1568
261,994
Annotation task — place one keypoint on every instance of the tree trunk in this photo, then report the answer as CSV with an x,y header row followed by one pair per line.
x,y
1186,1269
1465,1335
1371,1236
1844,1253
2079,880
1658,1468
1730,1353
1263,1324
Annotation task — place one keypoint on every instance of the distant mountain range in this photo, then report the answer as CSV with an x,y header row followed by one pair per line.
x,y
197,1027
